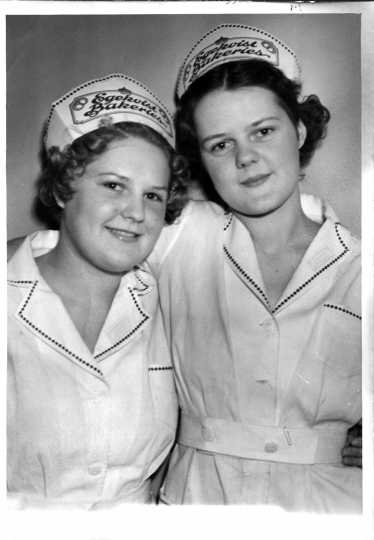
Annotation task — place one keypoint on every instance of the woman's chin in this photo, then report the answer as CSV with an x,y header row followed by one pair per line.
x,y
256,211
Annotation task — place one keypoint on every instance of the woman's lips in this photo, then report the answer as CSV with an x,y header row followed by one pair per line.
x,y
255,181
124,235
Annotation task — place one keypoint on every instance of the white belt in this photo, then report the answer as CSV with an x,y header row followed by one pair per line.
x,y
266,443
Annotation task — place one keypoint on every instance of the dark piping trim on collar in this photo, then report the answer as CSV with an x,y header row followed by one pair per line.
x,y
246,276
46,336
296,291
228,222
127,336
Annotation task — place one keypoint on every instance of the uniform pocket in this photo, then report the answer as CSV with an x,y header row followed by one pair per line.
x,y
338,348
339,342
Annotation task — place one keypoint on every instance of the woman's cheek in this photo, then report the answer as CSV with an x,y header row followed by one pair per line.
x,y
156,218
217,168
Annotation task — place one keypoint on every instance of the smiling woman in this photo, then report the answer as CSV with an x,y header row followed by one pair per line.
x,y
85,427
252,144
121,196
269,372
108,225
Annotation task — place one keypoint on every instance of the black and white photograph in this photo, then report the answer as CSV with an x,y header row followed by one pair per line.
x,y
185,309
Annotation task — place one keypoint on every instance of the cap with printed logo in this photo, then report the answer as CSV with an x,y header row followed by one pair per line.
x,y
233,42
111,99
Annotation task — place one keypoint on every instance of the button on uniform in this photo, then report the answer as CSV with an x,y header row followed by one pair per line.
x,y
207,433
271,447
267,325
95,469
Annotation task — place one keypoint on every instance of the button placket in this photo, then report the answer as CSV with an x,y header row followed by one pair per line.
x,y
95,411
268,325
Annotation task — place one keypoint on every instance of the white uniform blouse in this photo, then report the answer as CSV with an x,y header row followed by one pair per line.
x,y
86,429
266,395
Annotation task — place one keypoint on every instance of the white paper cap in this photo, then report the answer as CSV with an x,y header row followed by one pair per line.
x,y
113,98
232,42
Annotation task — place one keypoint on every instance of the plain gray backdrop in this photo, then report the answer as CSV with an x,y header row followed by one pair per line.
x,y
48,55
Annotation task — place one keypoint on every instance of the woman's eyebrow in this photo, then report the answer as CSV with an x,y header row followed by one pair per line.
x,y
211,137
127,179
115,175
265,119
159,188
252,124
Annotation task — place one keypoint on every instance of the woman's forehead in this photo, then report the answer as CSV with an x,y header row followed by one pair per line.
x,y
251,99
223,111
132,156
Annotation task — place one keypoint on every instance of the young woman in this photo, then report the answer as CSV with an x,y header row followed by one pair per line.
x,y
253,429
91,400
260,296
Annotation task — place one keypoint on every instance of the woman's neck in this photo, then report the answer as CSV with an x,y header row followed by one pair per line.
x,y
280,240
65,270
281,229
86,292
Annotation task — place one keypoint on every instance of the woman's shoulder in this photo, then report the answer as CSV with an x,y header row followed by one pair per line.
x,y
23,251
347,284
39,242
205,210
197,224
199,219
320,211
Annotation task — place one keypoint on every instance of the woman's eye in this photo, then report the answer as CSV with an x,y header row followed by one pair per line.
x,y
221,147
264,132
114,186
154,197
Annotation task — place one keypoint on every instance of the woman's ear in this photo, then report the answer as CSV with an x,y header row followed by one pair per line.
x,y
301,133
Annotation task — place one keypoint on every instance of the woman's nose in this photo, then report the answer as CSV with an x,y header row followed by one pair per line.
x,y
245,155
133,207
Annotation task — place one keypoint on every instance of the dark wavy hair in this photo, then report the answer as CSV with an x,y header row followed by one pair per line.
x,y
59,169
238,74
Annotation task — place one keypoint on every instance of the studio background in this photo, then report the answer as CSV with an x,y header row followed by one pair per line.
x,y
48,55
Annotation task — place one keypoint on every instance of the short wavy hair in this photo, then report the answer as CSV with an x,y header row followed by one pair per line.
x,y
59,169
238,74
